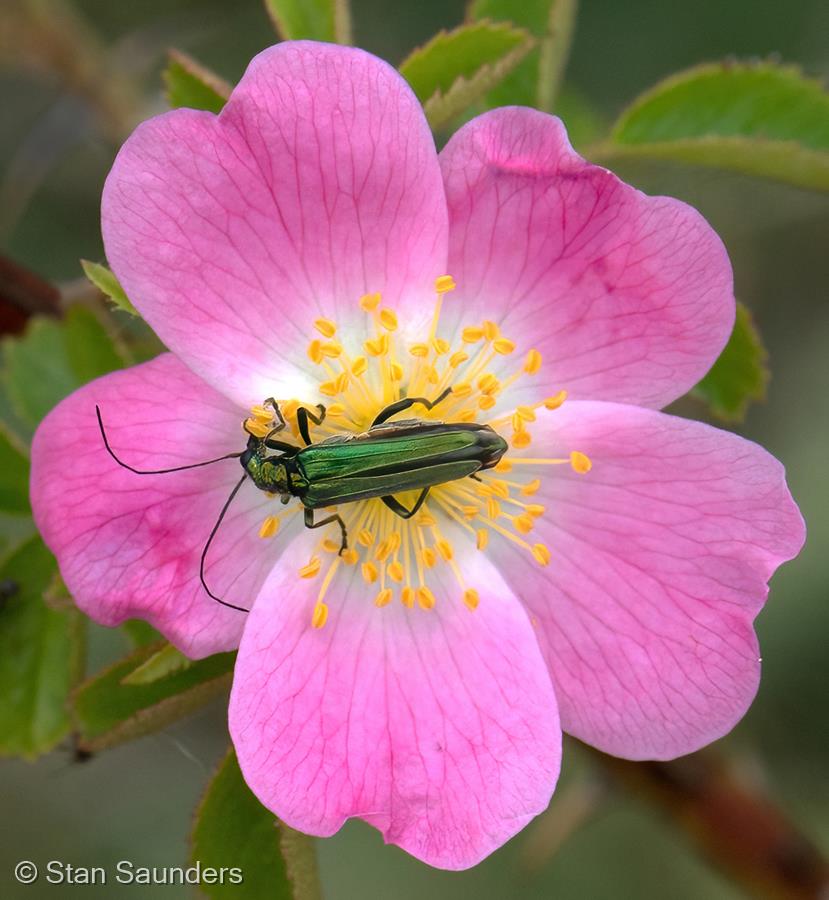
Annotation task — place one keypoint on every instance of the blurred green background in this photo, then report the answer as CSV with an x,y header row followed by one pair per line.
x,y
136,802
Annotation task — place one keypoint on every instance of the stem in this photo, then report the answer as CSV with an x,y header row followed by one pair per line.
x,y
737,828
555,51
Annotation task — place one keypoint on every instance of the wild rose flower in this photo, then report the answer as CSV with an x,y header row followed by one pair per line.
x,y
309,244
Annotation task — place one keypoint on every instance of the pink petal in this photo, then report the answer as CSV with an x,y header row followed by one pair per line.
x,y
438,727
660,560
318,183
129,545
628,297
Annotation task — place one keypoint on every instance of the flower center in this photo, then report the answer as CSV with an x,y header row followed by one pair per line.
x,y
400,556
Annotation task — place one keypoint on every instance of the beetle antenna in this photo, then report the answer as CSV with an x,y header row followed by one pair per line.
x,y
210,593
124,465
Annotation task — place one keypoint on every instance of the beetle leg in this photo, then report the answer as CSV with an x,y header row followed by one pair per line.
x,y
393,408
397,507
302,417
278,413
310,523
282,446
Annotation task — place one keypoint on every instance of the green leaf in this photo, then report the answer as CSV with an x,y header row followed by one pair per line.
x,y
740,375
316,20
458,67
108,285
233,830
108,712
161,664
536,81
188,84
140,632
41,654
53,358
755,118
14,478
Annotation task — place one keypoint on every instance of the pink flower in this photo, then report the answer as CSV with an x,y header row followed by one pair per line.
x,y
298,246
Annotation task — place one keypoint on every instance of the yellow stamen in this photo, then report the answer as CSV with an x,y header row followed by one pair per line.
x,y
359,366
458,357
311,569
425,520
370,302
535,509
365,537
383,598
541,554
257,428
407,597
396,571
377,346
320,615
472,334
369,571
330,546
325,327
532,364
269,527
388,319
555,401
420,350
481,538
350,556
314,352
332,350
486,402
429,557
440,346
503,346
530,488
445,549
396,372
471,599
444,284
580,462
523,523
527,413
504,466
521,439
491,330
425,598
262,412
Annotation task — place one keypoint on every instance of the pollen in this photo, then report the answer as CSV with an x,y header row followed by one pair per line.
x,y
405,559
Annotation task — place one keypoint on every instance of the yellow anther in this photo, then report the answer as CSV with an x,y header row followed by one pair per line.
x,y
432,375
350,556
471,598
261,412
486,402
311,569
335,409
369,571
472,334
257,428
429,557
325,327
458,357
330,546
464,389
580,462
469,512
529,489
394,541
440,346
425,520
396,571
269,527
329,388
521,439
368,302
466,415
445,549
377,346
396,372
483,490
541,554
493,508
481,538
419,350
407,597
527,413
342,382
383,550
517,422
388,319
444,284
359,366
533,362
523,523
491,330
314,351
499,488
536,509
487,382
503,346
425,598
503,466
289,407
320,615
555,401
365,537
383,598
332,349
